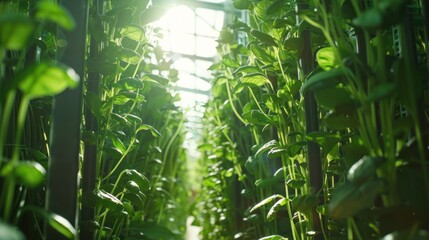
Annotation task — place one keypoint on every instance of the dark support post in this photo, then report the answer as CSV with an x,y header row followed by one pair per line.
x,y
65,133
312,124
90,155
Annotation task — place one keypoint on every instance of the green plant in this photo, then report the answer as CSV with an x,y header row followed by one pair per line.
x,y
21,83
371,116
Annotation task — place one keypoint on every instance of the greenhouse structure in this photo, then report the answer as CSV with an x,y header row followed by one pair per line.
x,y
214,119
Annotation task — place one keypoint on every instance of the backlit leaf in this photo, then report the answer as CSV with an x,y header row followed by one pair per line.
x,y
15,31
46,79
51,11
326,59
257,79
265,201
154,132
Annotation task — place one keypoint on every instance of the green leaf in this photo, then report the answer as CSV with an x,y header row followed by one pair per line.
x,y
246,69
160,79
276,152
15,31
30,174
305,203
294,44
154,132
133,32
371,19
138,178
229,62
263,37
152,231
130,84
326,58
51,11
107,200
350,198
267,146
340,122
342,102
261,54
56,221
129,56
364,169
321,79
9,232
381,92
46,79
275,208
257,79
295,183
273,237
266,201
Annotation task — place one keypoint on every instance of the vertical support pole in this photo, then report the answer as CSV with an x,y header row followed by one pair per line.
x,y
89,173
63,166
311,124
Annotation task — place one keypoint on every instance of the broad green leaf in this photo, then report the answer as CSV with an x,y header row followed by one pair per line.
x,y
138,178
103,66
152,231
326,139
321,79
257,79
246,69
130,84
9,232
56,221
263,37
275,208
107,200
135,200
340,122
295,148
133,32
276,152
30,174
273,237
229,62
294,44
145,127
305,203
371,19
266,201
326,59
267,146
261,54
129,56
364,169
46,79
381,92
51,11
350,198
342,101
120,119
267,183
15,31
295,183
160,79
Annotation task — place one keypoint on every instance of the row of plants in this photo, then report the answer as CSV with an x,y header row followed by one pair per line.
x,y
355,165
132,132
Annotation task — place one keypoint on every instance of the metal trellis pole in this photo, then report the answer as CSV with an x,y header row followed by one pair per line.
x,y
312,124
62,186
